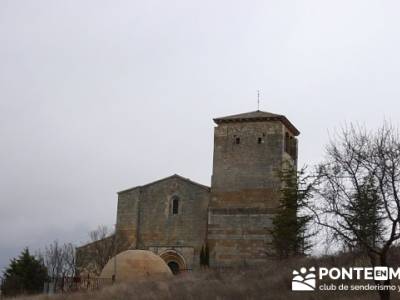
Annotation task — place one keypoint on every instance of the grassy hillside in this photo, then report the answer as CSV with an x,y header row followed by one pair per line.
x,y
270,281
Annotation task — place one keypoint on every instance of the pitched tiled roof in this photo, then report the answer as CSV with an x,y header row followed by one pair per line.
x,y
258,115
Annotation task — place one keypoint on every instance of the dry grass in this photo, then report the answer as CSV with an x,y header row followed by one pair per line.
x,y
270,281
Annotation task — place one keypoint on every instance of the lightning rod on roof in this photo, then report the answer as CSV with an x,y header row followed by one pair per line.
x,y
258,99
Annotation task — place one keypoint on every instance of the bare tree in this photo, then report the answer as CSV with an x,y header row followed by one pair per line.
x,y
60,261
95,255
360,184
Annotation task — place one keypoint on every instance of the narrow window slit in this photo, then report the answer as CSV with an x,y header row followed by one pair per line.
x,y
175,206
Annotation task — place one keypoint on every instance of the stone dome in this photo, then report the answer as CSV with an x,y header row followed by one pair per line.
x,y
135,264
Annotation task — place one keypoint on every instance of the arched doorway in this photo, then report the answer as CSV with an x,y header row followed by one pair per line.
x,y
174,260
174,267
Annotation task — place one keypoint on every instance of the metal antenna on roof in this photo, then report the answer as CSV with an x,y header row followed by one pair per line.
x,y
258,99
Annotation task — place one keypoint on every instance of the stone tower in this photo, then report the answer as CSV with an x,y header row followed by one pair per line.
x,y
249,151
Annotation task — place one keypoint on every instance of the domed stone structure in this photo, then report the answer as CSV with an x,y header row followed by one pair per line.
x,y
133,265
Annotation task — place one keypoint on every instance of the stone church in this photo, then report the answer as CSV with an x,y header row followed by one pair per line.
x,y
176,218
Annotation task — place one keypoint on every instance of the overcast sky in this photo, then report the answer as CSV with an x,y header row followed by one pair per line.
x,y
99,96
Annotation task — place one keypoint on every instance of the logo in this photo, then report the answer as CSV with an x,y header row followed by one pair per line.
x,y
381,273
306,280
303,280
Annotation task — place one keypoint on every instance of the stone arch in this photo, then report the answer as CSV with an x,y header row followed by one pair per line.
x,y
175,261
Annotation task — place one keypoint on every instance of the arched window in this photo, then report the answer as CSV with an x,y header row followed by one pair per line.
x,y
175,205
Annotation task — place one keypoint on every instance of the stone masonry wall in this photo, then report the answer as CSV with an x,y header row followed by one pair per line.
x,y
159,228
245,190
248,165
239,237
127,218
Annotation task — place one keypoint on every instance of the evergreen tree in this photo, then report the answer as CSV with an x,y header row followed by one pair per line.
x,y
25,275
204,256
289,233
364,211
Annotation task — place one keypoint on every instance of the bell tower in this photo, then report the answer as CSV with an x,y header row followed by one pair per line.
x,y
249,150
